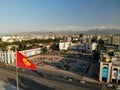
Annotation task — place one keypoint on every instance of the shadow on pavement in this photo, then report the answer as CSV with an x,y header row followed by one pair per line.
x,y
27,84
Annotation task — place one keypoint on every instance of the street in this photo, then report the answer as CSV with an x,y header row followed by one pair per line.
x,y
29,80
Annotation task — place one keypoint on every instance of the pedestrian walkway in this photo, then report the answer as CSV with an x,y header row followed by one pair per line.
x,y
6,86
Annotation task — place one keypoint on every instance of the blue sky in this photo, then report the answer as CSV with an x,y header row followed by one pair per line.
x,y
38,15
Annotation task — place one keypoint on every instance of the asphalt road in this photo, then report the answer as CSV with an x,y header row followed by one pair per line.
x,y
29,80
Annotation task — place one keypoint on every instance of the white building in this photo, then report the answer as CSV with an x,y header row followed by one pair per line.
x,y
64,45
94,46
110,70
88,47
11,38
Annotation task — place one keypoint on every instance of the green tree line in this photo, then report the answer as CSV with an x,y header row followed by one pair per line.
x,y
27,44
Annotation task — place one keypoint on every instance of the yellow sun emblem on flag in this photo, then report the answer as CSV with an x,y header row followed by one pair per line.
x,y
26,62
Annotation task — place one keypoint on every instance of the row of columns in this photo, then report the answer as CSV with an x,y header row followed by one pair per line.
x,y
109,72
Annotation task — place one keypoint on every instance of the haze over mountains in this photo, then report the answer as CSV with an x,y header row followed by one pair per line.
x,y
108,31
112,31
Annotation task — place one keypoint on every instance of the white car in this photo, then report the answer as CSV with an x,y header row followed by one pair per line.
x,y
82,81
118,87
109,85
70,79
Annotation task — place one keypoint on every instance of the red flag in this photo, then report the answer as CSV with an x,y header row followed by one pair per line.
x,y
24,62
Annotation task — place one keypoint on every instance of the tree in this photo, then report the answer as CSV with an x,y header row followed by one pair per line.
x,y
94,39
96,55
45,50
23,44
101,45
101,42
55,47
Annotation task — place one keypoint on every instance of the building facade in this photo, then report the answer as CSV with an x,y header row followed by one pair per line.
x,y
110,71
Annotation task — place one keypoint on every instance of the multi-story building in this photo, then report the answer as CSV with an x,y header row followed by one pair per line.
x,y
116,40
110,70
64,45
14,38
109,39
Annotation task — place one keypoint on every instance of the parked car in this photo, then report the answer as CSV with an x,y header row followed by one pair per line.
x,y
109,85
82,81
70,79
117,87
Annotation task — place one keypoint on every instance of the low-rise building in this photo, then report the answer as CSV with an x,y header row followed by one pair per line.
x,y
110,70
117,53
64,45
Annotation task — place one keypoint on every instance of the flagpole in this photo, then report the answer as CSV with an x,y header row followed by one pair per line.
x,y
16,72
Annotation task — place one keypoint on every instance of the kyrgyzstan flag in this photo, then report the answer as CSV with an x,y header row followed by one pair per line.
x,y
24,62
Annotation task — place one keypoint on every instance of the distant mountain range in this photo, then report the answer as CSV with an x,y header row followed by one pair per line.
x,y
108,31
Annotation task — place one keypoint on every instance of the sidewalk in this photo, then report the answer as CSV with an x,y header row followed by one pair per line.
x,y
6,86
